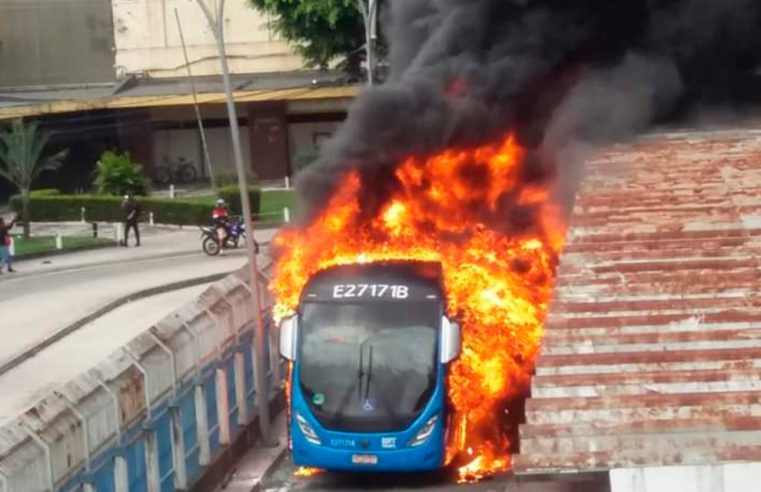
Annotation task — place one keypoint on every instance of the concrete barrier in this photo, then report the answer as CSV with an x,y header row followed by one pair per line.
x,y
155,414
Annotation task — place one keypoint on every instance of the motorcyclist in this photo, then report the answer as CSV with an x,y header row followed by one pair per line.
x,y
220,217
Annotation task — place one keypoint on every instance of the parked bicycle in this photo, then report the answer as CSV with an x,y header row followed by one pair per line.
x,y
169,172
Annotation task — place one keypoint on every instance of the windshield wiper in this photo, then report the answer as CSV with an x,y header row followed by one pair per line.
x,y
360,372
369,375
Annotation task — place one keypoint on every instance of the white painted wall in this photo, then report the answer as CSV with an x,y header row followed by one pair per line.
x,y
147,39
734,477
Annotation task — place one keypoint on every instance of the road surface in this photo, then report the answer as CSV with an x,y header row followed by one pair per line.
x,y
283,480
36,307
56,365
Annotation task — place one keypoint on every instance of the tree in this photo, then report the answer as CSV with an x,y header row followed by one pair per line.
x,y
22,159
321,30
116,174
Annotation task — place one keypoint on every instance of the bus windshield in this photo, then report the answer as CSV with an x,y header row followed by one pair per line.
x,y
368,367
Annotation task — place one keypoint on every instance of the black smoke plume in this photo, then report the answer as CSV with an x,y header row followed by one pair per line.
x,y
560,73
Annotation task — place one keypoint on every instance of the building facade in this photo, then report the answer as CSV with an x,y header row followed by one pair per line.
x,y
123,61
147,39
56,42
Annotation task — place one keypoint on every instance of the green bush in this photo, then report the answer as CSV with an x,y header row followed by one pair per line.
x,y
177,212
116,174
104,208
44,192
231,194
52,206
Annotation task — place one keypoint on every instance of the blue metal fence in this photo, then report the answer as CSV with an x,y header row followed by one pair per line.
x,y
137,477
190,433
102,475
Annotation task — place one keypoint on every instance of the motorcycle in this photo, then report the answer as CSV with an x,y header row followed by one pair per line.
x,y
236,236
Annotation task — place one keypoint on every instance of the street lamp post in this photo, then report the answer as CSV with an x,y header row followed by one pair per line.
x,y
369,9
217,27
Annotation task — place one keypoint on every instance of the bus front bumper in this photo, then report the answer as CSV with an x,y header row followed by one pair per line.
x,y
426,457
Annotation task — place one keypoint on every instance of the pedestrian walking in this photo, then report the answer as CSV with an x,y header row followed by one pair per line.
x,y
5,244
131,218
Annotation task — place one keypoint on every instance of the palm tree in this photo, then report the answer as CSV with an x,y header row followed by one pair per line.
x,y
22,160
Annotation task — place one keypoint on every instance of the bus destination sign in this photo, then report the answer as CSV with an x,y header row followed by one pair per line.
x,y
374,291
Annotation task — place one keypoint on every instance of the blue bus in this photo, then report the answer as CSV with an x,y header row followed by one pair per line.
x,y
370,345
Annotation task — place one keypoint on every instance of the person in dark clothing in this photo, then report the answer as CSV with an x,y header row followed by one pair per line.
x,y
5,244
131,218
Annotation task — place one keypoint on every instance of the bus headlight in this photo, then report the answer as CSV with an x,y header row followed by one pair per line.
x,y
424,433
307,430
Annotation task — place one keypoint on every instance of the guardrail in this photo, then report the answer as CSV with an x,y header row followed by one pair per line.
x,y
154,415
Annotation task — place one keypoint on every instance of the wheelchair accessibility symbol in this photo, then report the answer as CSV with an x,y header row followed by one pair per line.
x,y
369,405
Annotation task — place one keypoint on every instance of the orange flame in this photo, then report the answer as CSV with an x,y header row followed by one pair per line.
x,y
304,472
450,208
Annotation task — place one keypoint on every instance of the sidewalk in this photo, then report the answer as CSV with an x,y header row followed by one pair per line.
x,y
157,242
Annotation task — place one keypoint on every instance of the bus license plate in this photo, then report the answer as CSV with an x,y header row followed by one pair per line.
x,y
364,459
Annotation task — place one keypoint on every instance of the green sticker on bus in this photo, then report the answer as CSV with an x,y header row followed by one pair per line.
x,y
318,399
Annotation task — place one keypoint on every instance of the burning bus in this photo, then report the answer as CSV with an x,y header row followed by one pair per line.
x,y
494,275
370,345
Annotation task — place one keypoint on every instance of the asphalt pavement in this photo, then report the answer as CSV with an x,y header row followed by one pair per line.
x,y
48,295
283,479
58,364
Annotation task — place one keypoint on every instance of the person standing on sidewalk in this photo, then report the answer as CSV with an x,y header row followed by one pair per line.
x,y
5,244
131,218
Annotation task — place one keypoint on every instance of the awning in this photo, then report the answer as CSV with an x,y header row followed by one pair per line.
x,y
172,92
57,107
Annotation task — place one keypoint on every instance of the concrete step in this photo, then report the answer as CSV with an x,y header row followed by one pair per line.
x,y
558,321
717,423
598,385
551,462
673,443
643,332
651,406
681,360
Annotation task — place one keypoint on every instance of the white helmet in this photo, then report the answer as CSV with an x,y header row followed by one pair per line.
x,y
220,202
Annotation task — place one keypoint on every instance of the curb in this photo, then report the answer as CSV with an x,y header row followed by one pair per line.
x,y
58,252
95,264
64,332
223,475
274,464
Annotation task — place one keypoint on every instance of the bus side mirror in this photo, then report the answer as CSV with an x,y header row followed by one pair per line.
x,y
451,340
288,338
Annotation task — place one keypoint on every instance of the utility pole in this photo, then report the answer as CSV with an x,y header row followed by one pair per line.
x,y
260,366
204,144
369,10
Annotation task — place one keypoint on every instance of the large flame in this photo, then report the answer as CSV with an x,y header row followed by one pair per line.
x,y
451,208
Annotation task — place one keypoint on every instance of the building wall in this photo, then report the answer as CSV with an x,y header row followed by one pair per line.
x,y
53,42
185,144
147,39
175,136
305,140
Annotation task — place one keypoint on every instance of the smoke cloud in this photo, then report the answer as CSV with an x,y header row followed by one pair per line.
x,y
562,74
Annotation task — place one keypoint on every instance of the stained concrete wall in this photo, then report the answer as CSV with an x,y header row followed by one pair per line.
x,y
53,42
154,415
148,40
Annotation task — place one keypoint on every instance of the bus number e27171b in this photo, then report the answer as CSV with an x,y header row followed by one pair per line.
x,y
351,291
